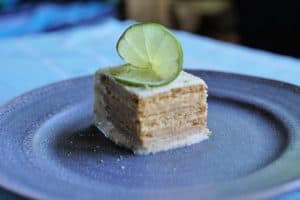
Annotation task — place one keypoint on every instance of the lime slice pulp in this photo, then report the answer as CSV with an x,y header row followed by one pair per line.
x,y
153,54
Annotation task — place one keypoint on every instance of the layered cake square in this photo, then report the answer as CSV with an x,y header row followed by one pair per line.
x,y
151,119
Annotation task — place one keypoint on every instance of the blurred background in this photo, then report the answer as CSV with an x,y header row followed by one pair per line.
x,y
269,24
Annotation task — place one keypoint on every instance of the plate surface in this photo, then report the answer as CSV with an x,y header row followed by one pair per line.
x,y
50,150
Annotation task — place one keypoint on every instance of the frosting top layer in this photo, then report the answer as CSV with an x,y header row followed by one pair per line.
x,y
183,80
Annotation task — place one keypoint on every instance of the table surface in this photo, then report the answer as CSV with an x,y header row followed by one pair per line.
x,y
33,61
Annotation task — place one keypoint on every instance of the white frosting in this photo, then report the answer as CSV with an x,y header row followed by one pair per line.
x,y
183,80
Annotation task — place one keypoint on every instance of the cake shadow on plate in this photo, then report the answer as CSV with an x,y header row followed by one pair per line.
x,y
89,141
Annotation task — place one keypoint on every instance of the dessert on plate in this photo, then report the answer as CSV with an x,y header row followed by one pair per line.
x,y
149,104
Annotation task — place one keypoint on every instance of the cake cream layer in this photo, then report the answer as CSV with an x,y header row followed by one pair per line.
x,y
145,119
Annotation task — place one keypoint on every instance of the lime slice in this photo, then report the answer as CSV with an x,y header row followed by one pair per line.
x,y
153,52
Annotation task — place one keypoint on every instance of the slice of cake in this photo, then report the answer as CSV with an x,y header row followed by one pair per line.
x,y
148,120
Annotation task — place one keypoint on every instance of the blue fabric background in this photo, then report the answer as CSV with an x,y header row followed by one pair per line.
x,y
35,60
48,16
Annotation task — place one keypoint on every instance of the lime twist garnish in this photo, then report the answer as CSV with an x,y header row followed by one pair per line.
x,y
153,55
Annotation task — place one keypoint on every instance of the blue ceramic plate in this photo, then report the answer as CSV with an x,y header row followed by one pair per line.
x,y
50,150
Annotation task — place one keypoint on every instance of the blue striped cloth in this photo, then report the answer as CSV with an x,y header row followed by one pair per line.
x,y
32,61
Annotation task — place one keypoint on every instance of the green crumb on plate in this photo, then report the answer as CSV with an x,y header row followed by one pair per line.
x,y
209,133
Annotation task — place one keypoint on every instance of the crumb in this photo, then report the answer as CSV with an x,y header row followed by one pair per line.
x,y
120,157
